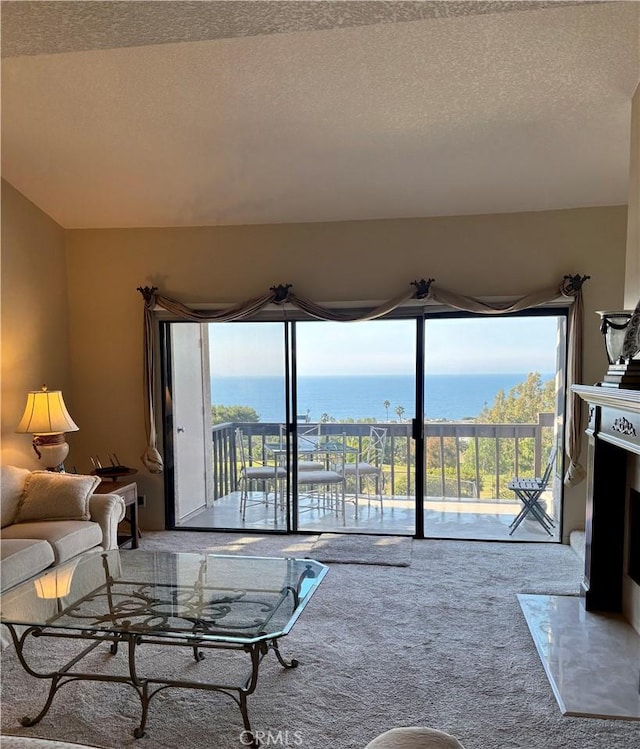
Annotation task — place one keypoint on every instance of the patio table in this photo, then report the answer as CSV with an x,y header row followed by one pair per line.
x,y
324,447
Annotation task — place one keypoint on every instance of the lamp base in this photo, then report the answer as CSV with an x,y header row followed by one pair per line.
x,y
624,376
52,450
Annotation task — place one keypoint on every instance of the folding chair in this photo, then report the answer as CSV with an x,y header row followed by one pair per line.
x,y
529,492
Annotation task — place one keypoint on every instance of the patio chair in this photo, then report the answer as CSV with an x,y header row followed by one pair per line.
x,y
368,468
263,472
308,440
529,492
330,482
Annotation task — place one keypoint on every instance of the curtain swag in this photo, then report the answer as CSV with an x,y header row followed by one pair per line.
x,y
570,288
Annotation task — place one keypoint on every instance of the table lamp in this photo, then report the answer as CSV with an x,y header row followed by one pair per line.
x,y
46,417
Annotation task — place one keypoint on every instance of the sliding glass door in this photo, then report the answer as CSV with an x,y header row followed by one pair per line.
x,y
494,389
355,389
409,426
248,406
243,404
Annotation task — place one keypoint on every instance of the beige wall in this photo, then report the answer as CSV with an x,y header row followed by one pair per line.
x,y
632,279
93,348
368,260
35,335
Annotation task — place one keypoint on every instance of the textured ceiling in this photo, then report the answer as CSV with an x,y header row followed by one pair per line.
x,y
204,113
31,28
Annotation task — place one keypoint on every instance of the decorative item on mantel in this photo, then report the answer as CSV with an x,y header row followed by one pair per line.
x,y
621,331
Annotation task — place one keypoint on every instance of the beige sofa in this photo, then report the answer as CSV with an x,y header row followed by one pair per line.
x,y
48,518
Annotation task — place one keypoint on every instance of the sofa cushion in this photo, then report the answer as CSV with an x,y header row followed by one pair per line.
x,y
56,496
22,558
68,538
11,487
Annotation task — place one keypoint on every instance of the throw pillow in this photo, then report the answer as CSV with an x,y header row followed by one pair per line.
x,y
56,496
11,487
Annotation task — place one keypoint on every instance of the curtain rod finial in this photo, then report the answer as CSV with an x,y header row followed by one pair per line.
x,y
148,292
281,293
422,287
573,284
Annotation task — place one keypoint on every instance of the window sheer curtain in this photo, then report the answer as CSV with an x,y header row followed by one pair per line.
x,y
569,289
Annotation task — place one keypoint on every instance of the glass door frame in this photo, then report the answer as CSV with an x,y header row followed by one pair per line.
x,y
418,430
290,521
551,310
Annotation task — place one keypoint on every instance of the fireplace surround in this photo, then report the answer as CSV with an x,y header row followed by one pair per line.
x,y
612,542
634,536
589,646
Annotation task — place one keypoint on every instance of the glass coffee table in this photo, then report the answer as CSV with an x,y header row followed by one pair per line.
x,y
134,598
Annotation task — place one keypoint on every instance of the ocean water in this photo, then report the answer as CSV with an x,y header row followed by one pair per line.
x,y
449,397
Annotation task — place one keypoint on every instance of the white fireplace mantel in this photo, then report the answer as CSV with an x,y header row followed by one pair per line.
x,y
614,415
613,431
625,400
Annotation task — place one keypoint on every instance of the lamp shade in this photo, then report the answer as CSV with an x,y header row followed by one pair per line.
x,y
57,582
46,413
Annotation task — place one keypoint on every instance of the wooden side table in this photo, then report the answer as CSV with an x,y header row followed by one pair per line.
x,y
128,490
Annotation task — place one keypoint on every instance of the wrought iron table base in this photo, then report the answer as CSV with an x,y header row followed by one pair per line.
x,y
145,686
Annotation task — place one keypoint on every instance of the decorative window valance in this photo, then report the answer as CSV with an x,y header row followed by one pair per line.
x,y
570,289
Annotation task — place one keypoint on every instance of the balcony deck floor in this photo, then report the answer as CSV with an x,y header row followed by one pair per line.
x,y
444,518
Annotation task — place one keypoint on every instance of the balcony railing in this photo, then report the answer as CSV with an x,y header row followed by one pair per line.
x,y
464,460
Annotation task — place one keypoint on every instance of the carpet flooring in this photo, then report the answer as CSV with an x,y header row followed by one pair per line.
x,y
441,643
341,548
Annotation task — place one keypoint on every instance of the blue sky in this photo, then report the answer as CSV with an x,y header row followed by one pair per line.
x,y
455,346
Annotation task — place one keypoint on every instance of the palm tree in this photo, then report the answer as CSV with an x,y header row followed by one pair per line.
x,y
400,411
386,405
